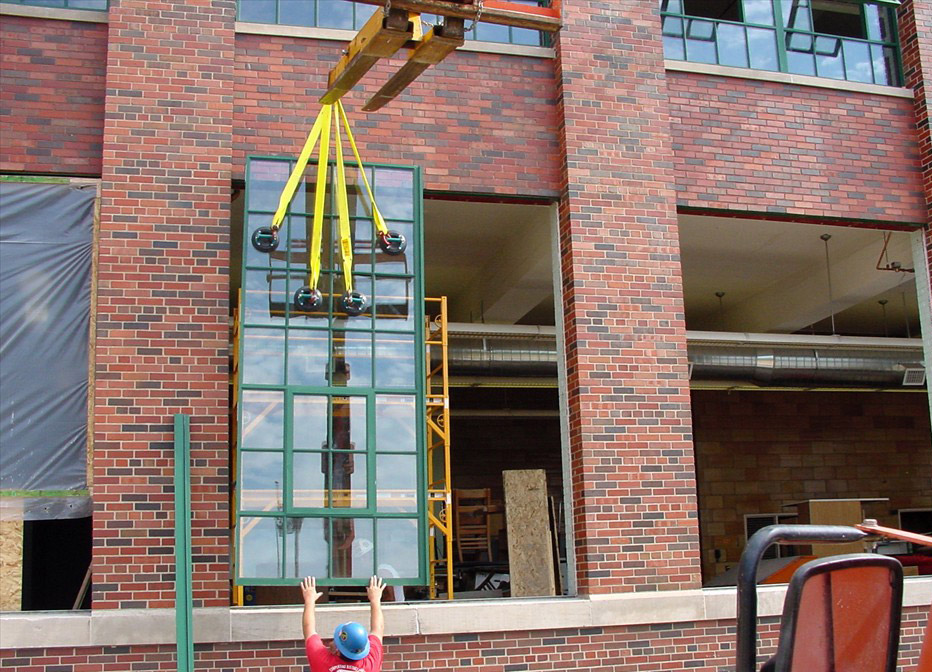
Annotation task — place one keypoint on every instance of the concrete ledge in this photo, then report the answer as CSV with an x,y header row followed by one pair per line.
x,y
30,630
87,15
788,78
336,34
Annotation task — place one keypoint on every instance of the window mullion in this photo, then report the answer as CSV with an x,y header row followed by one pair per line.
x,y
781,35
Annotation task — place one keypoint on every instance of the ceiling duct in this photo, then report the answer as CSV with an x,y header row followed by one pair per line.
x,y
778,360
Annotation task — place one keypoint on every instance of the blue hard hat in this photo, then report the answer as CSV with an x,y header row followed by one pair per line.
x,y
352,641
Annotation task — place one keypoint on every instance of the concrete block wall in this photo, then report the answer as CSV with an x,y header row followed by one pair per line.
x,y
163,288
757,451
51,95
776,148
631,459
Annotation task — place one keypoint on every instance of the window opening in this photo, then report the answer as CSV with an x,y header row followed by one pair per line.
x,y
100,5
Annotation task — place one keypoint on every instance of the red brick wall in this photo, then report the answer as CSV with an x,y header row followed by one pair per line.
x,y
475,122
51,95
915,20
756,451
163,325
769,147
633,481
705,647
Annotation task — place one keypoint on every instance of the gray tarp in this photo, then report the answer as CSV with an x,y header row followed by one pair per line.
x,y
46,239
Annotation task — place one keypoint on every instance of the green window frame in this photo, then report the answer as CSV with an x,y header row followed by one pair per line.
x,y
331,463
779,35
340,14
94,5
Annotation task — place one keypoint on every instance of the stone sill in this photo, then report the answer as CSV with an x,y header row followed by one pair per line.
x,y
788,78
122,627
86,15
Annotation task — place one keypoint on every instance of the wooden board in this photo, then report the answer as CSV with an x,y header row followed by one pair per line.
x,y
530,549
11,565
832,512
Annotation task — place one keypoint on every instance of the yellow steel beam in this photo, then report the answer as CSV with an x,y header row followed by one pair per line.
x,y
381,37
493,11
435,46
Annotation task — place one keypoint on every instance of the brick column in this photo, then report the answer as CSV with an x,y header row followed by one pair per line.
x,y
633,474
163,286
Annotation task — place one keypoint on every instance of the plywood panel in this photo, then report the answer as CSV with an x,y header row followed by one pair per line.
x,y
530,549
832,512
11,565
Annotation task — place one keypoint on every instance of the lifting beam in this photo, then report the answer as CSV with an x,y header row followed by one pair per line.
x,y
501,12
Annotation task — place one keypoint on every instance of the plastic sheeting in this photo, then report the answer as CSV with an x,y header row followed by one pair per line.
x,y
46,241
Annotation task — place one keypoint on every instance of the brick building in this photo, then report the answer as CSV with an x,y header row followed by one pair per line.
x,y
694,237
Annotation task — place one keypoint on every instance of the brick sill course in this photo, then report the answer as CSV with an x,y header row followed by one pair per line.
x,y
25,630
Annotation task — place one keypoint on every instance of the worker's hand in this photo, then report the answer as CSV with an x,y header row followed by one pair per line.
x,y
374,591
309,590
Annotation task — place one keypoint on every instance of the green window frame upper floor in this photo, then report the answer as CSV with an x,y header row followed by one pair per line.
x,y
344,15
851,40
97,5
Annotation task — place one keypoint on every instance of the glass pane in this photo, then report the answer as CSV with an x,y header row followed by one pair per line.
x,y
732,45
356,194
262,419
260,481
673,26
758,11
674,49
762,46
700,41
394,360
884,65
266,180
265,296
858,64
828,57
299,235
351,548
263,360
306,547
799,56
398,547
531,38
349,423
398,263
880,22
675,6
257,11
396,483
394,307
310,423
394,192
307,357
361,237
332,14
308,317
297,12
490,32
88,4
309,480
361,284
276,258
348,480
260,552
796,14
395,426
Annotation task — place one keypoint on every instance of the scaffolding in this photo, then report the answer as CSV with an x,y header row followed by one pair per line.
x,y
437,398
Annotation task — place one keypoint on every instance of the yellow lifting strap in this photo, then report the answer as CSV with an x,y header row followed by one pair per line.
x,y
321,131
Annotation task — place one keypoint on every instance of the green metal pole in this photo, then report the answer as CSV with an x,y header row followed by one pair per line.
x,y
184,612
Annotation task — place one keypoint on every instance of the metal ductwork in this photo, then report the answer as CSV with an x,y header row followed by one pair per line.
x,y
763,360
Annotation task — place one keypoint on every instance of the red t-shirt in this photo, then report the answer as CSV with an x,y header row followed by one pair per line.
x,y
322,660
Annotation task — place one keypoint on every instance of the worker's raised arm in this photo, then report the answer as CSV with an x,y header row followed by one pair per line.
x,y
376,621
309,591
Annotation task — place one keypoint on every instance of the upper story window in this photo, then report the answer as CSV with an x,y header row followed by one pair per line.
x,y
64,4
352,16
853,40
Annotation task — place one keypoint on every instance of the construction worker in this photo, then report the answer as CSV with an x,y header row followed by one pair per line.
x,y
352,649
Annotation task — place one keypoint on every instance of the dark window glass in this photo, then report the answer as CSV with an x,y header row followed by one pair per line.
x,y
727,10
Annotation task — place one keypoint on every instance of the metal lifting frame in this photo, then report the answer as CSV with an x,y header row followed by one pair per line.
x,y
439,488
399,22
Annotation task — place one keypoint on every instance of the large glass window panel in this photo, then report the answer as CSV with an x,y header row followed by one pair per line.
x,y
396,483
395,418
398,544
762,49
310,472
351,359
260,548
348,480
306,548
732,45
352,548
350,420
858,64
261,481
263,361
394,303
394,361
262,419
308,355
310,422
265,297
